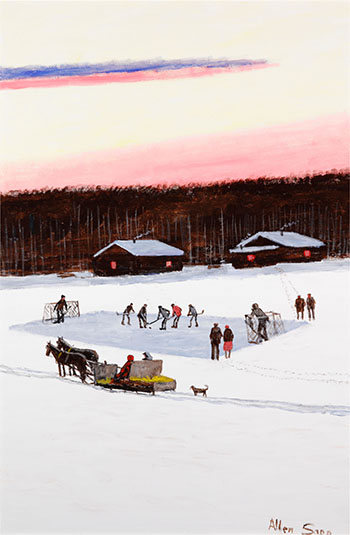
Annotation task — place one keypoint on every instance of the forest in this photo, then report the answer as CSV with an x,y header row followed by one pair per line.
x,y
58,230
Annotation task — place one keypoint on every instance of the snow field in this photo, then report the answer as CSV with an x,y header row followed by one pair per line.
x,y
270,441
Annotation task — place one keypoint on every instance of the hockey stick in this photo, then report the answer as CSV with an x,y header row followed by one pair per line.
x,y
154,321
198,314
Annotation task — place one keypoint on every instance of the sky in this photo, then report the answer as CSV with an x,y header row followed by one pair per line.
x,y
218,90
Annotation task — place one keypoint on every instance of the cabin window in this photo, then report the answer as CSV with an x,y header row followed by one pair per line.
x,y
168,263
113,264
251,257
307,253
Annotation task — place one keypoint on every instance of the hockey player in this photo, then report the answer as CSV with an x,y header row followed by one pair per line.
x,y
59,306
176,314
262,320
310,304
300,305
127,312
192,312
215,339
142,316
165,314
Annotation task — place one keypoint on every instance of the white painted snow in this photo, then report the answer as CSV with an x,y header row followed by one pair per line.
x,y
270,441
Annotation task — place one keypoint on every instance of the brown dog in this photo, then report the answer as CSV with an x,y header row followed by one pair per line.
x,y
200,390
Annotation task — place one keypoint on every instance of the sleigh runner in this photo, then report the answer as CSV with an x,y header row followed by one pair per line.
x,y
145,376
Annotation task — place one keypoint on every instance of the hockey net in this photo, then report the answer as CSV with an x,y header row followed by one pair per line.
x,y
50,314
274,327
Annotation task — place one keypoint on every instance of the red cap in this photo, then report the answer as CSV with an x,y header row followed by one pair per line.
x,y
227,327
130,357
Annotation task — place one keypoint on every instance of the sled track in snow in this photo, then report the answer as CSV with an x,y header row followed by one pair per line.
x,y
333,410
37,374
289,375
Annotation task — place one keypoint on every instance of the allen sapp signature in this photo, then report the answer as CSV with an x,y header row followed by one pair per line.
x,y
308,528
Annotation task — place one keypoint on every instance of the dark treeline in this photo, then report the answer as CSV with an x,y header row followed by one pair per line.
x,y
59,230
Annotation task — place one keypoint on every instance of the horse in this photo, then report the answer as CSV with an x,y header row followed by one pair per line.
x,y
63,358
90,354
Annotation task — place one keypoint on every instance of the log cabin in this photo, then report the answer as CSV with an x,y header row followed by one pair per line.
x,y
267,248
130,257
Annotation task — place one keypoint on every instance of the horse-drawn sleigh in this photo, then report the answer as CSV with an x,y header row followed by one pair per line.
x,y
142,376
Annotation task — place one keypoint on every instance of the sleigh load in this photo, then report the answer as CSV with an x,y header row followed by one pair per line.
x,y
145,376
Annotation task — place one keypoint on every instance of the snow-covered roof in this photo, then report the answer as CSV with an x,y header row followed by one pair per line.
x,y
254,249
144,248
285,239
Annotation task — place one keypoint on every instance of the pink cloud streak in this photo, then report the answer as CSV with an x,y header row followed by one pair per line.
x,y
125,77
311,146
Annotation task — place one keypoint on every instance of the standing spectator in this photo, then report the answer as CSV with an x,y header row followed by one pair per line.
x,y
215,339
262,320
59,306
300,305
193,313
142,316
126,313
228,341
165,314
177,314
310,304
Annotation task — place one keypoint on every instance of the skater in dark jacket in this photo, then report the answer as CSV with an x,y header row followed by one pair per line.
x,y
59,306
215,339
262,320
192,312
228,341
176,314
310,304
300,305
165,314
142,316
126,314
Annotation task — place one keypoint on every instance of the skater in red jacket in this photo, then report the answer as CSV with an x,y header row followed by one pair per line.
x,y
176,314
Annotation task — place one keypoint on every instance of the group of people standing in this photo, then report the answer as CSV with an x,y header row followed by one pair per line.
x,y
163,314
310,305
215,339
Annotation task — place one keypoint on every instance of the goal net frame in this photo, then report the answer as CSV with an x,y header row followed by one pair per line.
x,y
50,314
274,326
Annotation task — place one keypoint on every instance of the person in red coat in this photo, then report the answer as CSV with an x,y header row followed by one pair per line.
x,y
177,314
228,341
124,371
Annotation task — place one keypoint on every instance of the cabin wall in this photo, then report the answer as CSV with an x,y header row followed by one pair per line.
x,y
282,254
112,264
